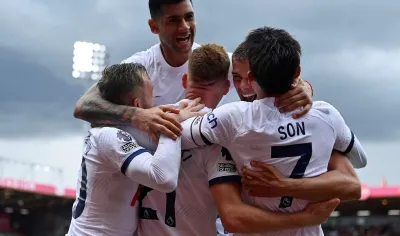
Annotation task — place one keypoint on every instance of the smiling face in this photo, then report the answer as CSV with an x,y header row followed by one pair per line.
x,y
240,69
176,26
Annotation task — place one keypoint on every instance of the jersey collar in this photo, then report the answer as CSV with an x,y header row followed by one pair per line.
x,y
269,101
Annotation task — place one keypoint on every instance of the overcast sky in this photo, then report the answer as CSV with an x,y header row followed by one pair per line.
x,y
351,55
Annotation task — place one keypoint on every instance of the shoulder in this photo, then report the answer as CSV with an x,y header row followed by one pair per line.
x,y
324,107
195,45
112,136
143,57
234,107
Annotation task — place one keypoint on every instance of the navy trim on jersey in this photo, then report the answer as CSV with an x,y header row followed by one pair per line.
x,y
224,179
128,160
191,130
205,140
351,144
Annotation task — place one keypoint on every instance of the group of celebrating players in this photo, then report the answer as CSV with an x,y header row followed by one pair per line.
x,y
167,156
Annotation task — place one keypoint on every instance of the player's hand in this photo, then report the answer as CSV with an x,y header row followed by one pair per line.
x,y
190,110
299,96
156,120
317,213
265,181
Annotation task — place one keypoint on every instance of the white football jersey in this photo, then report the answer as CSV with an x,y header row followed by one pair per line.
x,y
167,80
190,209
296,147
113,165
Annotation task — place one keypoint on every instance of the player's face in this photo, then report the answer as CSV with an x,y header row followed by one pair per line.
x,y
176,27
147,99
210,93
243,88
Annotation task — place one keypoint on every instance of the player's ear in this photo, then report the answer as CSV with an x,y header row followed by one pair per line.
x,y
250,77
184,80
227,86
136,102
298,71
153,26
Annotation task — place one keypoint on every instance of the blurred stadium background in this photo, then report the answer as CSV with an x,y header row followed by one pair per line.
x,y
37,200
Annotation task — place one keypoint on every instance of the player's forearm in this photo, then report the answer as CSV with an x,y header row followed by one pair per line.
x,y
93,108
248,219
161,170
333,184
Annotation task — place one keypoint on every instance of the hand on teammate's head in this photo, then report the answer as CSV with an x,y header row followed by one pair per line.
x,y
187,110
298,97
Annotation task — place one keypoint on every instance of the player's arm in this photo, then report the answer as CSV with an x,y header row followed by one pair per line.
x,y
238,217
346,142
91,107
159,171
341,181
217,127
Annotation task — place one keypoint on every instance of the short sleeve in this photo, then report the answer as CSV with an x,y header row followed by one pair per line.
x,y
344,136
118,147
220,166
139,57
216,127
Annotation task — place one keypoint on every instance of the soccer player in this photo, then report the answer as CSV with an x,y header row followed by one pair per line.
x,y
113,164
208,177
340,182
174,23
258,131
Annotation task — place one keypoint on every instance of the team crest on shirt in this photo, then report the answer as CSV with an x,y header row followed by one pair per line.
x,y
124,136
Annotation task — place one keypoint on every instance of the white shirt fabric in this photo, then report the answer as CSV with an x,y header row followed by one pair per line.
x,y
113,166
296,147
167,80
190,209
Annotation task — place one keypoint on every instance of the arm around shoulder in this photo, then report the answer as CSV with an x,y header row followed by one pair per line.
x,y
219,126
159,171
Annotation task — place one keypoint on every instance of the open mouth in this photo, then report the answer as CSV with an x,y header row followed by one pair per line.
x,y
183,40
249,97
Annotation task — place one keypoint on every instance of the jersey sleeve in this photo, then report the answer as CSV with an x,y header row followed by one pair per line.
x,y
216,127
346,142
159,171
220,166
139,57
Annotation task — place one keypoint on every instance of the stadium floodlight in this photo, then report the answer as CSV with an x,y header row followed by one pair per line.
x,y
89,60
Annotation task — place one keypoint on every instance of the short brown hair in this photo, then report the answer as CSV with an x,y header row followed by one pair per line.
x,y
209,62
120,79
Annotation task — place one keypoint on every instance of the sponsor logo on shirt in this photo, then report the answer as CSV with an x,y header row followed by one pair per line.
x,y
128,147
212,120
226,167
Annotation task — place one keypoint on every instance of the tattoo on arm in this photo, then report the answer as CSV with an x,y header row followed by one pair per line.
x,y
100,112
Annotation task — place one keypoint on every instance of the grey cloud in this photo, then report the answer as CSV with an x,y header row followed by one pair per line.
x,y
324,28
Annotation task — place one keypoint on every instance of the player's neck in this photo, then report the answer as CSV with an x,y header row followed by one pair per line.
x,y
174,59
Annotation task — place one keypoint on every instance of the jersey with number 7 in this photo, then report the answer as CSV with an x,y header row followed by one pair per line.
x,y
296,147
